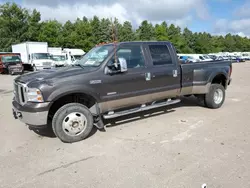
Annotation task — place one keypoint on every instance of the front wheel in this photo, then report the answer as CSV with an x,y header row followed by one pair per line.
x,y
72,122
216,96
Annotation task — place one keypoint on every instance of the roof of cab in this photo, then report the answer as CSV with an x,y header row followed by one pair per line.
x,y
137,42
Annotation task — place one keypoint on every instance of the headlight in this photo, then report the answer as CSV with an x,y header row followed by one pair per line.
x,y
34,95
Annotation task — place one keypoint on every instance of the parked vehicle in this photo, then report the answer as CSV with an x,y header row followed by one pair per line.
x,y
112,81
10,63
58,56
240,59
188,59
34,55
207,58
200,57
245,56
213,57
72,55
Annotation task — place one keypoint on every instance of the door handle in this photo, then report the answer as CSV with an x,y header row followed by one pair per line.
x,y
175,73
148,76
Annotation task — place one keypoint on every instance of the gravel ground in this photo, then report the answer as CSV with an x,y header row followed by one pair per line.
x,y
183,146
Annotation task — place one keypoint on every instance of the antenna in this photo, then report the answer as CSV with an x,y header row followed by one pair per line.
x,y
114,37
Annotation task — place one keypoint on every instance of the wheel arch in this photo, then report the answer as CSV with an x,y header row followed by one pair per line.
x,y
77,96
219,78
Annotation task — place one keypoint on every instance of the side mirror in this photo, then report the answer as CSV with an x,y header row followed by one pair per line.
x,y
121,67
123,64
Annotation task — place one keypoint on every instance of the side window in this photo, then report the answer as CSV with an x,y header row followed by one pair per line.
x,y
202,58
160,55
132,54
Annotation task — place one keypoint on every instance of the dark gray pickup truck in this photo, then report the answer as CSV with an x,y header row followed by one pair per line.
x,y
113,80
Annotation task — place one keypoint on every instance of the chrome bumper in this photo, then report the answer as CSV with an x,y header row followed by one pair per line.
x,y
30,118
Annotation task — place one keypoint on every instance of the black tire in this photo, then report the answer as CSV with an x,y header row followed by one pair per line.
x,y
62,113
209,98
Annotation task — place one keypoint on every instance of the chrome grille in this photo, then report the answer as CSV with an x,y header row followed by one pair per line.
x,y
19,93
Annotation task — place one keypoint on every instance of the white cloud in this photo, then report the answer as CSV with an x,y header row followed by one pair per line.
x,y
239,26
173,11
243,11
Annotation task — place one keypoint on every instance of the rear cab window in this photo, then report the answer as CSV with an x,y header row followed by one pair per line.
x,y
160,54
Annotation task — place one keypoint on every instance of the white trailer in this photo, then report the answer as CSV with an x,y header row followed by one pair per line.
x,y
34,55
58,56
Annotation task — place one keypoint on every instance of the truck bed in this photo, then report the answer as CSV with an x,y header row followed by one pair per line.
x,y
195,77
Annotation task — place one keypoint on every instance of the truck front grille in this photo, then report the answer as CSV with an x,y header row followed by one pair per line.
x,y
46,63
19,93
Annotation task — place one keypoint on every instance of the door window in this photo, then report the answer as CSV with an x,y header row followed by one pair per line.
x,y
202,58
132,54
160,55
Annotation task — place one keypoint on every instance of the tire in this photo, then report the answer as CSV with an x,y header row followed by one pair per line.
x,y
67,130
213,102
34,68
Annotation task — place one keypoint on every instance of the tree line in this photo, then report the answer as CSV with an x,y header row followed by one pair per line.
x,y
18,24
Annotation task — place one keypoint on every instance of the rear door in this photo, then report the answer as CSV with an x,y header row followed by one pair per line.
x,y
164,74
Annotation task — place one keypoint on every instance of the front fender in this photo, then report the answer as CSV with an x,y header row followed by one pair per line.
x,y
67,90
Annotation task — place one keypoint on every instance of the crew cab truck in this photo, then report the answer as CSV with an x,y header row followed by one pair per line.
x,y
114,80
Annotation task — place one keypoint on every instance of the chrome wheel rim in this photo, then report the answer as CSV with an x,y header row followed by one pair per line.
x,y
218,96
74,124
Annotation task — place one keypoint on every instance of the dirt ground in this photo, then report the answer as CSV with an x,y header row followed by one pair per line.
x,y
186,145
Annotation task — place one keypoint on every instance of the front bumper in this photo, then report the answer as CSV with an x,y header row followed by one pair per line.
x,y
43,67
15,69
32,114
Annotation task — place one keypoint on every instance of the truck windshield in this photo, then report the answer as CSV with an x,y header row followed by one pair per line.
x,y
10,58
58,58
77,57
41,56
96,56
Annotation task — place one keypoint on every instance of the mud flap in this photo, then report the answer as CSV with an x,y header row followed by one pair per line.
x,y
95,110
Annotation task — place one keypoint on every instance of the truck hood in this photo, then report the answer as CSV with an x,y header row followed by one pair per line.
x,y
52,74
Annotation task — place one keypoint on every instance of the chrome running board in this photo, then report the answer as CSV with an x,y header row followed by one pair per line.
x,y
143,107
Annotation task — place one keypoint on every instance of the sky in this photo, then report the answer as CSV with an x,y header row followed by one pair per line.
x,y
213,16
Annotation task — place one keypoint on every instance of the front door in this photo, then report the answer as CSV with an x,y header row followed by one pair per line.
x,y
125,89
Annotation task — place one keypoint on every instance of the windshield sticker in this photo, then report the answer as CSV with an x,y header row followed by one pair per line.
x,y
90,62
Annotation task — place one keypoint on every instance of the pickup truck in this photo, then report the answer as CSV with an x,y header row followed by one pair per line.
x,y
114,80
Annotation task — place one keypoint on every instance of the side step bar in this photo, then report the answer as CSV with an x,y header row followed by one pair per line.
x,y
112,114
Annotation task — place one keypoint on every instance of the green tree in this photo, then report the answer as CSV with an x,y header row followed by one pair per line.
x,y
188,41
161,33
126,32
145,31
67,30
51,32
175,36
105,30
18,24
33,25
13,25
